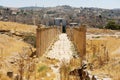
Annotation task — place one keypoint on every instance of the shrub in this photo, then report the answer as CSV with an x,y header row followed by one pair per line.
x,y
41,68
31,39
64,71
112,25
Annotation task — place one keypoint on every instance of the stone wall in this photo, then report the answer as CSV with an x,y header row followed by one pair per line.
x,y
78,36
45,36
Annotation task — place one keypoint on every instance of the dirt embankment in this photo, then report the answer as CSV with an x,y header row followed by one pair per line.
x,y
13,44
9,45
12,26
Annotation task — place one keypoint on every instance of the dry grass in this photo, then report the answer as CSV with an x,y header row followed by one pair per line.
x,y
10,46
99,31
44,72
104,56
75,63
64,71
17,27
112,70
3,77
114,66
96,54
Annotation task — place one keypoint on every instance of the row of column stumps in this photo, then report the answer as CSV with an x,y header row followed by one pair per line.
x,y
44,36
78,36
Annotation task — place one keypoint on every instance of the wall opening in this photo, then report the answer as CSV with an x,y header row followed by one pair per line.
x,y
63,29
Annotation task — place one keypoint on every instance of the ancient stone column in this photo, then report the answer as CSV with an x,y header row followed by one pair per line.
x,y
38,41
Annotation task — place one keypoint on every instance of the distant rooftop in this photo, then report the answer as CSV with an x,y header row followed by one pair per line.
x,y
73,23
59,18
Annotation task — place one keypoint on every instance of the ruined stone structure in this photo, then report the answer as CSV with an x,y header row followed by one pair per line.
x,y
46,35
78,36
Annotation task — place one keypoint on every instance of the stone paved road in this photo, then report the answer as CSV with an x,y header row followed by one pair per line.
x,y
62,50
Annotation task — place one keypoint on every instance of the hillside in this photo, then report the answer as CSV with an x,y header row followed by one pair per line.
x,y
93,17
12,26
10,36
10,46
31,8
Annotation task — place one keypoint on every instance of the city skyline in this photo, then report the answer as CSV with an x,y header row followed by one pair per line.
x,y
107,4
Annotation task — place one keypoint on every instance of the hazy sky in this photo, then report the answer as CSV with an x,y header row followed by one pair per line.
x,y
109,4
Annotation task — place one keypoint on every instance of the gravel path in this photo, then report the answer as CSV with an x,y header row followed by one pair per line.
x,y
62,50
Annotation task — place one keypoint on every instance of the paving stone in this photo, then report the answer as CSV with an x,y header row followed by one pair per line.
x,y
62,50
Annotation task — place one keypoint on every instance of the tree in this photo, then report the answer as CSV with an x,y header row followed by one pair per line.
x,y
112,25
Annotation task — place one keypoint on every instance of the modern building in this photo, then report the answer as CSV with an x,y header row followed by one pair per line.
x,y
73,24
60,22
